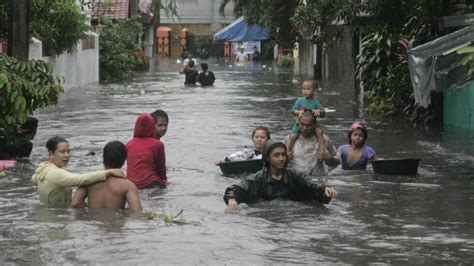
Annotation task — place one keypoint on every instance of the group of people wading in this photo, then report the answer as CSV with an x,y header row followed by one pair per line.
x,y
289,167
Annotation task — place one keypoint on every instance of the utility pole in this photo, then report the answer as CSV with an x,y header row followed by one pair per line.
x,y
18,24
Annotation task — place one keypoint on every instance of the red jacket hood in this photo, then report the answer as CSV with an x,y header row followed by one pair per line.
x,y
144,126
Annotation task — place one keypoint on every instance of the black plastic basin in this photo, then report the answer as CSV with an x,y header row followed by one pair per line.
x,y
396,166
240,167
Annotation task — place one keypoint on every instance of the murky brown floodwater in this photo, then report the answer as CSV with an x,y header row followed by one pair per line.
x,y
427,219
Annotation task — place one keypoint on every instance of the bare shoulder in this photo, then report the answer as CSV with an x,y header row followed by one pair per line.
x,y
120,184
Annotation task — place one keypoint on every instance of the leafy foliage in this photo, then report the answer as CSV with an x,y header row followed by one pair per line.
x,y
169,219
3,19
118,48
468,59
24,87
59,24
169,6
286,61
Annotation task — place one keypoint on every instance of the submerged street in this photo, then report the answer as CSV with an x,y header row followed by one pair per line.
x,y
423,219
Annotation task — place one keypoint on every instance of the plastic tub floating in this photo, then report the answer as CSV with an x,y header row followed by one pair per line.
x,y
240,167
396,166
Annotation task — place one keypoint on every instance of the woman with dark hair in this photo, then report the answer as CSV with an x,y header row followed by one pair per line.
x,y
356,154
54,182
260,136
275,180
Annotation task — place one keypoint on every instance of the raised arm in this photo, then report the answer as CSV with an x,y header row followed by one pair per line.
x,y
64,178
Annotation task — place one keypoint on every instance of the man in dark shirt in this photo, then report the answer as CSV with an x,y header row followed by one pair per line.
x,y
206,78
190,73
275,180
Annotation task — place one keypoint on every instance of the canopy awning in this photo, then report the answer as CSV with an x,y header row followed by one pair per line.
x,y
240,31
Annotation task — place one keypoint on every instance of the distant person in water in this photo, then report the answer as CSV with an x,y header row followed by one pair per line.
x,y
54,183
206,78
356,154
114,192
203,55
16,142
275,181
190,73
161,123
260,136
146,162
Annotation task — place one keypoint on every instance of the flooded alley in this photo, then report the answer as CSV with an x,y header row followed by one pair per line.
x,y
423,219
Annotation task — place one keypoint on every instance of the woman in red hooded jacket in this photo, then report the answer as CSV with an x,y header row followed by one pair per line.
x,y
146,164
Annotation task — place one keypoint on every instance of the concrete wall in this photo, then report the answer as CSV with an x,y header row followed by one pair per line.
x,y
78,68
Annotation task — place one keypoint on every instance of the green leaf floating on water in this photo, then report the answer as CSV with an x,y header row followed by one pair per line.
x,y
169,219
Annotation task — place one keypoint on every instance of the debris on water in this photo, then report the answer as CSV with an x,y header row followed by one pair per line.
x,y
230,66
264,66
90,153
178,61
294,81
170,219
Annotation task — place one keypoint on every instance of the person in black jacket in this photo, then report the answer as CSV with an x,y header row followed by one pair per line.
x,y
275,180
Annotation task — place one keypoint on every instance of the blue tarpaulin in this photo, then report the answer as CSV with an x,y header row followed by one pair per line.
x,y
240,31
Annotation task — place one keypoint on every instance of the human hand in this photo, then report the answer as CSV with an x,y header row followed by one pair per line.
x,y
330,192
217,162
299,113
115,173
323,154
316,112
232,206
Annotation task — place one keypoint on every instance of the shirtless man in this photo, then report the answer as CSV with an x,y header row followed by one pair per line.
x,y
114,192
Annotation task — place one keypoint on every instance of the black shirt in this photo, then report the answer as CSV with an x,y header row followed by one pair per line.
x,y
191,75
206,78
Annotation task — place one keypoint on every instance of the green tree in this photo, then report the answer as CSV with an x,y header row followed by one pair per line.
x,y
118,47
59,24
24,87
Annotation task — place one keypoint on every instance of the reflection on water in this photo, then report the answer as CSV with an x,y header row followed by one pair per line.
x,y
426,218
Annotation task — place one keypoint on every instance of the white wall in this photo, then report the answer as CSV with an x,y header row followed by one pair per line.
x,y
78,68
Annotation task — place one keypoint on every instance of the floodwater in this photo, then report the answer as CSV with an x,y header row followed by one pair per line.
x,y
423,219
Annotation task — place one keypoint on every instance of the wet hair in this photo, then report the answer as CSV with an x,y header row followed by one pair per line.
x,y
52,143
204,66
313,82
267,132
159,113
353,128
309,113
269,147
191,63
115,154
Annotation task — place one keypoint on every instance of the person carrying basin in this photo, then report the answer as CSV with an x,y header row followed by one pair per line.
x,y
146,161
55,183
114,192
260,136
356,154
275,181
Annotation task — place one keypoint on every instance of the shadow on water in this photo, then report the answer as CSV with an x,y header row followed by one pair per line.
x,y
426,218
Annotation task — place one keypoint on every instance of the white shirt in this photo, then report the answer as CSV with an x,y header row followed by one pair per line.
x,y
240,57
306,158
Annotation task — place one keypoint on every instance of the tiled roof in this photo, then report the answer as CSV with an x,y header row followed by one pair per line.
x,y
118,9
